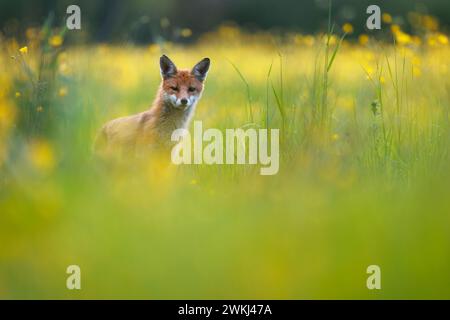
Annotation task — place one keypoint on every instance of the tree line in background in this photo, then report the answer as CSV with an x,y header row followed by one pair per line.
x,y
144,21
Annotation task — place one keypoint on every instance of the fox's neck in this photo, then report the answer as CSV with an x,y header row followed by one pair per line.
x,y
168,117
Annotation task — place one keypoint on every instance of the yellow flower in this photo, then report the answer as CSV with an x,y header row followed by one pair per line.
x,y
363,39
309,40
23,50
370,71
442,39
18,94
64,68
63,91
335,137
395,28
387,18
186,33
402,37
416,71
55,41
41,155
332,40
382,80
347,28
39,109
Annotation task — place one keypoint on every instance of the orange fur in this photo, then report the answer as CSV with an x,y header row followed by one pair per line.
x,y
152,129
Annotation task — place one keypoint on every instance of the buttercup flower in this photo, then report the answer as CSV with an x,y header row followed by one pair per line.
x,y
347,28
387,18
55,41
186,33
23,50
63,91
363,39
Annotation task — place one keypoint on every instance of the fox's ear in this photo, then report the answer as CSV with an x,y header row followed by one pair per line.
x,y
201,69
168,68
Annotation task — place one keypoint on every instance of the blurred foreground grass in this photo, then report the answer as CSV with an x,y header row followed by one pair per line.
x,y
364,174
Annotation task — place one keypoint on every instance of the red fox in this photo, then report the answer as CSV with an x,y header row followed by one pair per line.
x,y
173,108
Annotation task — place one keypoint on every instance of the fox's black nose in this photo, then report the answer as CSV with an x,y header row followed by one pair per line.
x,y
184,101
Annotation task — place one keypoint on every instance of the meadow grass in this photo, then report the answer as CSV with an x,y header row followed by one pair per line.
x,y
364,173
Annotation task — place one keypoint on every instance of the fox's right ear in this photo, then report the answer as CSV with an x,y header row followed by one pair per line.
x,y
168,68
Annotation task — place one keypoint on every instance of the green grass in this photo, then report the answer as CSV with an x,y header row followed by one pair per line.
x,y
363,177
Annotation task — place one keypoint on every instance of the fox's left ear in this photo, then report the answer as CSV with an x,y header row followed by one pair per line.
x,y
201,69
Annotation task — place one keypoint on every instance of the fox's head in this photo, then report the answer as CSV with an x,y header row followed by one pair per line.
x,y
182,88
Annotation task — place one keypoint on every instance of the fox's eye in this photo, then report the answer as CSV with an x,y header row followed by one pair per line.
x,y
174,88
191,89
